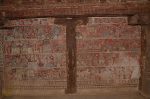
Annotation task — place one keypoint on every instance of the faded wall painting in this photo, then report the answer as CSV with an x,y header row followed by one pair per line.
x,y
108,53
34,55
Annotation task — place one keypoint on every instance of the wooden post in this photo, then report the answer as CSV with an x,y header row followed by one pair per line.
x,y
144,21
145,88
1,63
70,24
71,57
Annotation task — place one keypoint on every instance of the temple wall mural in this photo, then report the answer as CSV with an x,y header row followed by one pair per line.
x,y
108,51
34,55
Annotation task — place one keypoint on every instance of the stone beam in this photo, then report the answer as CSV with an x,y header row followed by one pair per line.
x,y
75,10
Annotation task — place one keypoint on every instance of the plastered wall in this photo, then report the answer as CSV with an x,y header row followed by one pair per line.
x,y
34,55
108,53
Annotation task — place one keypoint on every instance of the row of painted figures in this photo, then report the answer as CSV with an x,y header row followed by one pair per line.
x,y
48,46
31,47
34,61
83,59
55,32
36,32
83,74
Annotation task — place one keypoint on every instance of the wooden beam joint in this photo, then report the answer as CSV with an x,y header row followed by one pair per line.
x,y
139,19
71,24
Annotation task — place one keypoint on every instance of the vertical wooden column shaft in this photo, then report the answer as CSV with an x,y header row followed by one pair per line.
x,y
144,21
143,58
71,47
71,57
70,24
1,63
146,70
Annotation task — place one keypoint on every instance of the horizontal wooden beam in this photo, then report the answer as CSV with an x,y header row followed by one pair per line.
x,y
74,10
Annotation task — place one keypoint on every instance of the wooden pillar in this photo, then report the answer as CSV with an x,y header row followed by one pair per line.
x,y
70,24
145,88
71,51
71,56
1,62
1,1
144,21
0,81
2,20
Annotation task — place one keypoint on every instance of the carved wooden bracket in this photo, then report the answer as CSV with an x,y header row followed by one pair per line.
x,y
2,18
3,21
139,19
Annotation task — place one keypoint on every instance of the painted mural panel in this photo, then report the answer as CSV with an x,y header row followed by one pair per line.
x,y
34,56
108,53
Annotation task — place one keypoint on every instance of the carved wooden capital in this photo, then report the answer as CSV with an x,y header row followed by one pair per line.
x,y
2,18
139,19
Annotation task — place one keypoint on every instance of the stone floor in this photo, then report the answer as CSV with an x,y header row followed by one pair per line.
x,y
136,96
89,94
101,96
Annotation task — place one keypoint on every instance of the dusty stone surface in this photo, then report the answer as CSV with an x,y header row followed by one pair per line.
x,y
135,96
115,93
